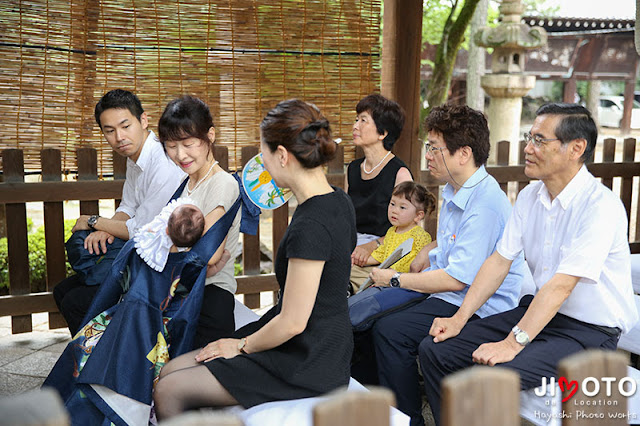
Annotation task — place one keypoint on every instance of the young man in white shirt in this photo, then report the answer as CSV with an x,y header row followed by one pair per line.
x,y
573,232
151,179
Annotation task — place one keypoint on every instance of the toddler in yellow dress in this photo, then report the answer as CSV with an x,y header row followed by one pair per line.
x,y
410,203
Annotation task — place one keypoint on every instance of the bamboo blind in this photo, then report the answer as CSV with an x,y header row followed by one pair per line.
x,y
58,57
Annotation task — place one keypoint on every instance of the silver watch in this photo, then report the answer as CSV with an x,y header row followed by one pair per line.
x,y
395,280
91,222
521,336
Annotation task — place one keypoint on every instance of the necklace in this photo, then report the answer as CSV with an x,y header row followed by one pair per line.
x,y
364,164
190,191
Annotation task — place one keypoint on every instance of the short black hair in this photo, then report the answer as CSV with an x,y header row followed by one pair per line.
x,y
185,117
118,99
387,115
576,123
461,126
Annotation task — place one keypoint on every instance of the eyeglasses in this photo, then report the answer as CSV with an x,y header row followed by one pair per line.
x,y
430,148
536,140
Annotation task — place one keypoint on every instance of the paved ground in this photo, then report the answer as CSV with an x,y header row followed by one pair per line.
x,y
26,359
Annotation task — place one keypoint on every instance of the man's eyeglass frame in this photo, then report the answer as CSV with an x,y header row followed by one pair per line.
x,y
537,141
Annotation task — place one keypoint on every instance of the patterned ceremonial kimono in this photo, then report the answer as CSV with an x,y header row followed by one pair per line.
x,y
138,321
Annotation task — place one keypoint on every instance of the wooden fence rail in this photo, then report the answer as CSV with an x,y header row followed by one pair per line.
x,y
14,193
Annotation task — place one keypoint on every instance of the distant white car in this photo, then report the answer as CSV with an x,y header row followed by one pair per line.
x,y
610,112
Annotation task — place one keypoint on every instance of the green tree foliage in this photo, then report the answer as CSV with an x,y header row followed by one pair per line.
x,y
37,256
539,8
452,36
445,24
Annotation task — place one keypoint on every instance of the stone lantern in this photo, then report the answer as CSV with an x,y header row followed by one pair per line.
x,y
507,83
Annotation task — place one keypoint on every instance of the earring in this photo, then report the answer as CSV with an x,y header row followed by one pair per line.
x,y
281,164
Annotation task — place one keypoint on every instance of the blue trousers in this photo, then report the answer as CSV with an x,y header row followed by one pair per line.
x,y
386,355
561,337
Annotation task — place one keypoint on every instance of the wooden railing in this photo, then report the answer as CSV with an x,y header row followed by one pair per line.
x,y
14,193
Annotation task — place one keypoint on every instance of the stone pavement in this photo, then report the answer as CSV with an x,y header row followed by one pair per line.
x,y
27,358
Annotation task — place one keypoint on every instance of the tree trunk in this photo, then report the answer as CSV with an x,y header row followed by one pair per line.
x,y
476,67
593,97
452,37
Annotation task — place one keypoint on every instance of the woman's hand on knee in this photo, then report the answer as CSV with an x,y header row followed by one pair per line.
x,y
225,348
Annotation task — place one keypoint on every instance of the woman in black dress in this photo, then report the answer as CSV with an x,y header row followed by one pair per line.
x,y
302,347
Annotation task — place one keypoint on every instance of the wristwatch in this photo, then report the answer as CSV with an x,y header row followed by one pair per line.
x,y
521,336
241,344
395,280
91,222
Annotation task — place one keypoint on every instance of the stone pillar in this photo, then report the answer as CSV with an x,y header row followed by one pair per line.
x,y
507,83
505,110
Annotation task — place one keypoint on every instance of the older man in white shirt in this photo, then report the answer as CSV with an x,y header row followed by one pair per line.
x,y
573,232
150,181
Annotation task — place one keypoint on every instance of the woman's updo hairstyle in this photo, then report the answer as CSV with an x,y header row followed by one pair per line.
x,y
302,130
183,118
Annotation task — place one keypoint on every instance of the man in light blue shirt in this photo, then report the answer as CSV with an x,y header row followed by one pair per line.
x,y
474,213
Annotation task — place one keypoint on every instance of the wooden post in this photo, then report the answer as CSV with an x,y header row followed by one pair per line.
x,y
3,217
37,407
503,160
53,230
85,39
336,169
19,277
346,408
585,370
626,189
88,170
608,156
401,50
481,396
250,243
202,418
221,153
521,161
119,171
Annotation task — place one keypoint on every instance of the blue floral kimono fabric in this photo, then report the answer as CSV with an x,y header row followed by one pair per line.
x,y
139,319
